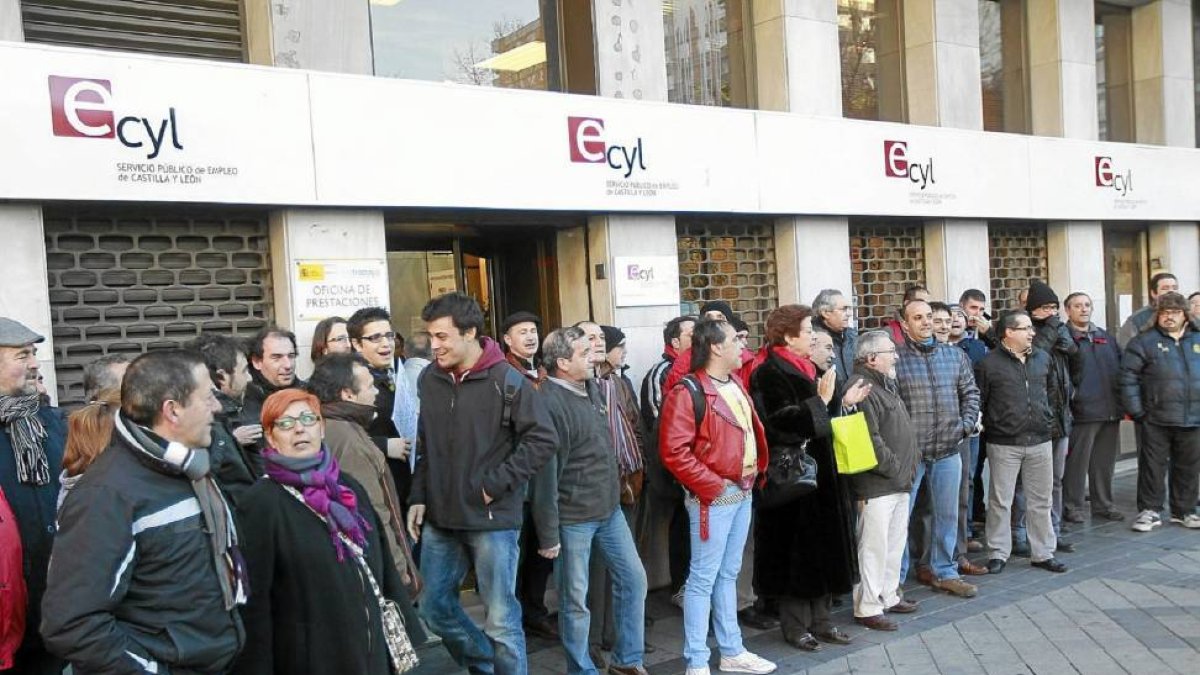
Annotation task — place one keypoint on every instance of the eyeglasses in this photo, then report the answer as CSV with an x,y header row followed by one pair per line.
x,y
344,338
1022,328
373,339
886,351
306,419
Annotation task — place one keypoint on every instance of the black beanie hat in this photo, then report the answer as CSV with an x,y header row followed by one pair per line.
x,y
718,306
1039,294
613,337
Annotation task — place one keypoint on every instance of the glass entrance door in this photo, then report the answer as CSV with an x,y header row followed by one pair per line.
x,y
1124,272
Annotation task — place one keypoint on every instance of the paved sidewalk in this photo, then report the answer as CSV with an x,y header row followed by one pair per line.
x,y
1130,603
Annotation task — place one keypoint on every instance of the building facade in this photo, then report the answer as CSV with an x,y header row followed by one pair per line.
x,y
382,152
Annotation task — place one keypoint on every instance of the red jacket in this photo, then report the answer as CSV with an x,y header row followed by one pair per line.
x,y
703,459
12,586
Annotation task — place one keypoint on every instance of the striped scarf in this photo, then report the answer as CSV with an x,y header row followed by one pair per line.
x,y
27,433
620,429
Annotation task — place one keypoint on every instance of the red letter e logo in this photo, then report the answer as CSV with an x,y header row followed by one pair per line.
x,y
586,141
81,108
1104,172
895,159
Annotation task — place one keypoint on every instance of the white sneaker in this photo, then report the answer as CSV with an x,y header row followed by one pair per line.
x,y
1190,521
703,670
746,662
1146,521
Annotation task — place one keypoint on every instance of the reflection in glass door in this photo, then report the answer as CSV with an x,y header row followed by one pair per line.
x,y
1124,273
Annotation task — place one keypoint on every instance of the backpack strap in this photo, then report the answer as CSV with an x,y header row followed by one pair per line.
x,y
513,380
697,391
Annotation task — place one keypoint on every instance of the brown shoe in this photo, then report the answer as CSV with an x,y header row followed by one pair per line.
x,y
955,586
925,576
627,670
967,567
903,607
877,622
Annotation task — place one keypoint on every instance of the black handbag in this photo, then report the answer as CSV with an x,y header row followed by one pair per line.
x,y
790,475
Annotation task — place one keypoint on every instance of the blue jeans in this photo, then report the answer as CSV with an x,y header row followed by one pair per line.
x,y
712,580
500,646
944,476
614,543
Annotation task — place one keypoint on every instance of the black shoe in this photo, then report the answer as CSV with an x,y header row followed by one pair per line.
x,y
995,566
753,618
1111,516
1073,517
834,636
1050,565
544,627
1065,547
1021,550
806,642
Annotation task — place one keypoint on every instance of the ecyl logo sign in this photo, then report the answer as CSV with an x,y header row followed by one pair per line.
x,y
896,164
83,108
588,146
1108,177
639,273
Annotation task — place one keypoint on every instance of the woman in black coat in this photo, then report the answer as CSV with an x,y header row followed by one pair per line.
x,y
311,609
804,550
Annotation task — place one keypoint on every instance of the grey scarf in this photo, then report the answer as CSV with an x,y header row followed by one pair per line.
x,y
27,433
194,464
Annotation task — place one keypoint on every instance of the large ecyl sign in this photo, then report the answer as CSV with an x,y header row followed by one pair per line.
x,y
104,126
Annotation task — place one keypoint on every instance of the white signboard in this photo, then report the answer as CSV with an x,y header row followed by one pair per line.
x,y
78,124
640,281
326,288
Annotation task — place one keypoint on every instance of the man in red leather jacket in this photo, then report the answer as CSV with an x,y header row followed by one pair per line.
x,y
717,461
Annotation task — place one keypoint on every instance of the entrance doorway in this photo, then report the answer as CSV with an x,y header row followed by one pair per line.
x,y
1125,251
505,268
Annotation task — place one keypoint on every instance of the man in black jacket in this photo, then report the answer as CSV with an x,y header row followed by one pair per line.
x,y
147,539
577,506
1014,381
1096,406
483,434
234,462
272,355
1160,388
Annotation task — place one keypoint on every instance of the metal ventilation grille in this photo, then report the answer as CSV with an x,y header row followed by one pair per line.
x,y
1018,255
133,281
207,29
730,260
886,258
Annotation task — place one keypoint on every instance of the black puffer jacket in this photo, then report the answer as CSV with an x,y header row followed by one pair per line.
x,y
891,434
1160,378
132,586
1015,397
1052,336
1097,397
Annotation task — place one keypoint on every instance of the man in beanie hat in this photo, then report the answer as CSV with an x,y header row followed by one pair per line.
x,y
519,333
1160,389
32,438
1051,335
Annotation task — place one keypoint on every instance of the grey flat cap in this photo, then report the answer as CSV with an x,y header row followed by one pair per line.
x,y
16,334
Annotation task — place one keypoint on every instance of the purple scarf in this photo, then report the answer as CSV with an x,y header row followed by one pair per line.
x,y
317,479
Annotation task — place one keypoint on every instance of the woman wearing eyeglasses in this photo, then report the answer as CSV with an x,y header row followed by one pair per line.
x,y
317,561
330,337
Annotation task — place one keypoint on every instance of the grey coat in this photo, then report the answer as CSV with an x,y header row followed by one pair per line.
x,y
891,434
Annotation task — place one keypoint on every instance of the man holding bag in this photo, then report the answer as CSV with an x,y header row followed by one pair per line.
x,y
882,493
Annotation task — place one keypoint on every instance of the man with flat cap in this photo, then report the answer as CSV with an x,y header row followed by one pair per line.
x,y
520,332
32,438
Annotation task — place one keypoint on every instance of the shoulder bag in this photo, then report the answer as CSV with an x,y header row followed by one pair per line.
x,y
400,649
791,474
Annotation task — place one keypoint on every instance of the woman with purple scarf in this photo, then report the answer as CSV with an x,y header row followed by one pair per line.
x,y
312,609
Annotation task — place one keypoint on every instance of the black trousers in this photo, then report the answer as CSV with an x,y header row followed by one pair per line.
x,y
1174,451
679,545
533,573
798,616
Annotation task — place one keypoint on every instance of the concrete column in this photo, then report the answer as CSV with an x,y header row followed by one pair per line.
x,y
941,47
798,65
26,295
11,28
1075,256
956,257
1118,76
1175,248
322,234
331,36
1062,68
1163,79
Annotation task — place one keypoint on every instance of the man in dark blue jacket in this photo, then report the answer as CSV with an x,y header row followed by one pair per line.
x,y
1095,435
32,438
1160,388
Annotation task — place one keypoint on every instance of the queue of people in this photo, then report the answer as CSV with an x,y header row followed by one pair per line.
x,y
209,511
